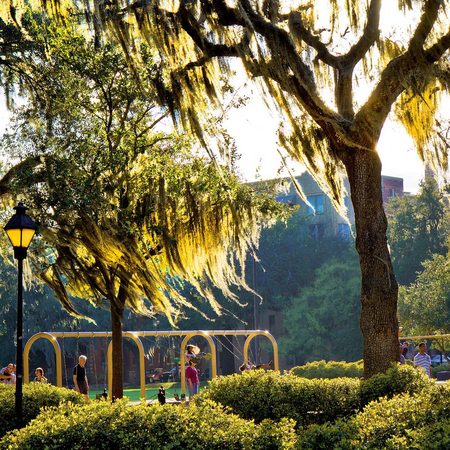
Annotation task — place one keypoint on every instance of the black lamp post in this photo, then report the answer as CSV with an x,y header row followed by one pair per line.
x,y
20,230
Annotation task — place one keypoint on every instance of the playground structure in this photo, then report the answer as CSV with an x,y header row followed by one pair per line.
x,y
208,335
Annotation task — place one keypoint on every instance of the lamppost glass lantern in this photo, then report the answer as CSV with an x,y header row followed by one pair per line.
x,y
20,230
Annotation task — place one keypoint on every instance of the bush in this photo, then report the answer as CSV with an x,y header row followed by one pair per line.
x,y
263,395
105,426
329,369
35,396
402,422
388,423
399,378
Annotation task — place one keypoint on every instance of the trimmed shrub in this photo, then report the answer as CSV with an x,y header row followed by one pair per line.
x,y
35,396
105,426
329,369
263,395
399,378
388,423
430,437
402,422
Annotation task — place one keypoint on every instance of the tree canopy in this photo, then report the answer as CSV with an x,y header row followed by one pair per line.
x,y
418,229
310,58
127,211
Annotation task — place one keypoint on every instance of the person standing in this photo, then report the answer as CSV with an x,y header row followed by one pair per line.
x,y
79,377
422,359
192,378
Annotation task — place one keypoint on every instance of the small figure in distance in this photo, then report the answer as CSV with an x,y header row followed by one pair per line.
x,y
422,359
191,352
249,366
39,376
162,395
246,367
79,377
403,352
7,374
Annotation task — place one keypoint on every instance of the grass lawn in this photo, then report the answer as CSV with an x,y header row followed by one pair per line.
x,y
151,391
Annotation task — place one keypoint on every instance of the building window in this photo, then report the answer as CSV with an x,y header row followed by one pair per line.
x,y
392,193
317,202
344,231
317,230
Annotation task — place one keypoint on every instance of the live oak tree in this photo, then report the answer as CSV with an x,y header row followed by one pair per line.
x,y
126,211
308,57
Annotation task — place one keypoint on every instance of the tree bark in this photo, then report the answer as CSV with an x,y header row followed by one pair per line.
x,y
117,349
379,289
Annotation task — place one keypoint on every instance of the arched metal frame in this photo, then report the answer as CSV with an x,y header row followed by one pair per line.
x,y
135,335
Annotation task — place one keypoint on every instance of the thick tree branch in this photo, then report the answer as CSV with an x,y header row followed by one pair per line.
x,y
427,20
436,51
396,77
368,38
299,30
26,165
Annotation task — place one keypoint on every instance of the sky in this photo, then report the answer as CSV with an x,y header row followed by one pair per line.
x,y
255,129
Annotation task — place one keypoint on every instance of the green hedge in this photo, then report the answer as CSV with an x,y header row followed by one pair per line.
x,y
329,369
402,422
101,425
263,395
35,396
399,378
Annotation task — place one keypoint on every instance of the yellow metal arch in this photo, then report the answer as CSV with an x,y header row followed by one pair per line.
x,y
26,364
212,347
134,337
251,336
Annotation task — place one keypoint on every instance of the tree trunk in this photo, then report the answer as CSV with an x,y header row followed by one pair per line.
x,y
379,289
117,349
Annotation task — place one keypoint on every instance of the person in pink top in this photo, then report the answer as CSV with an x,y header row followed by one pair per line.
x,y
192,377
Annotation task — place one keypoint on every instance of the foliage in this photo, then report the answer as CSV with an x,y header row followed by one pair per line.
x,y
322,322
424,307
329,369
35,397
263,395
403,422
105,426
418,229
440,368
399,378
